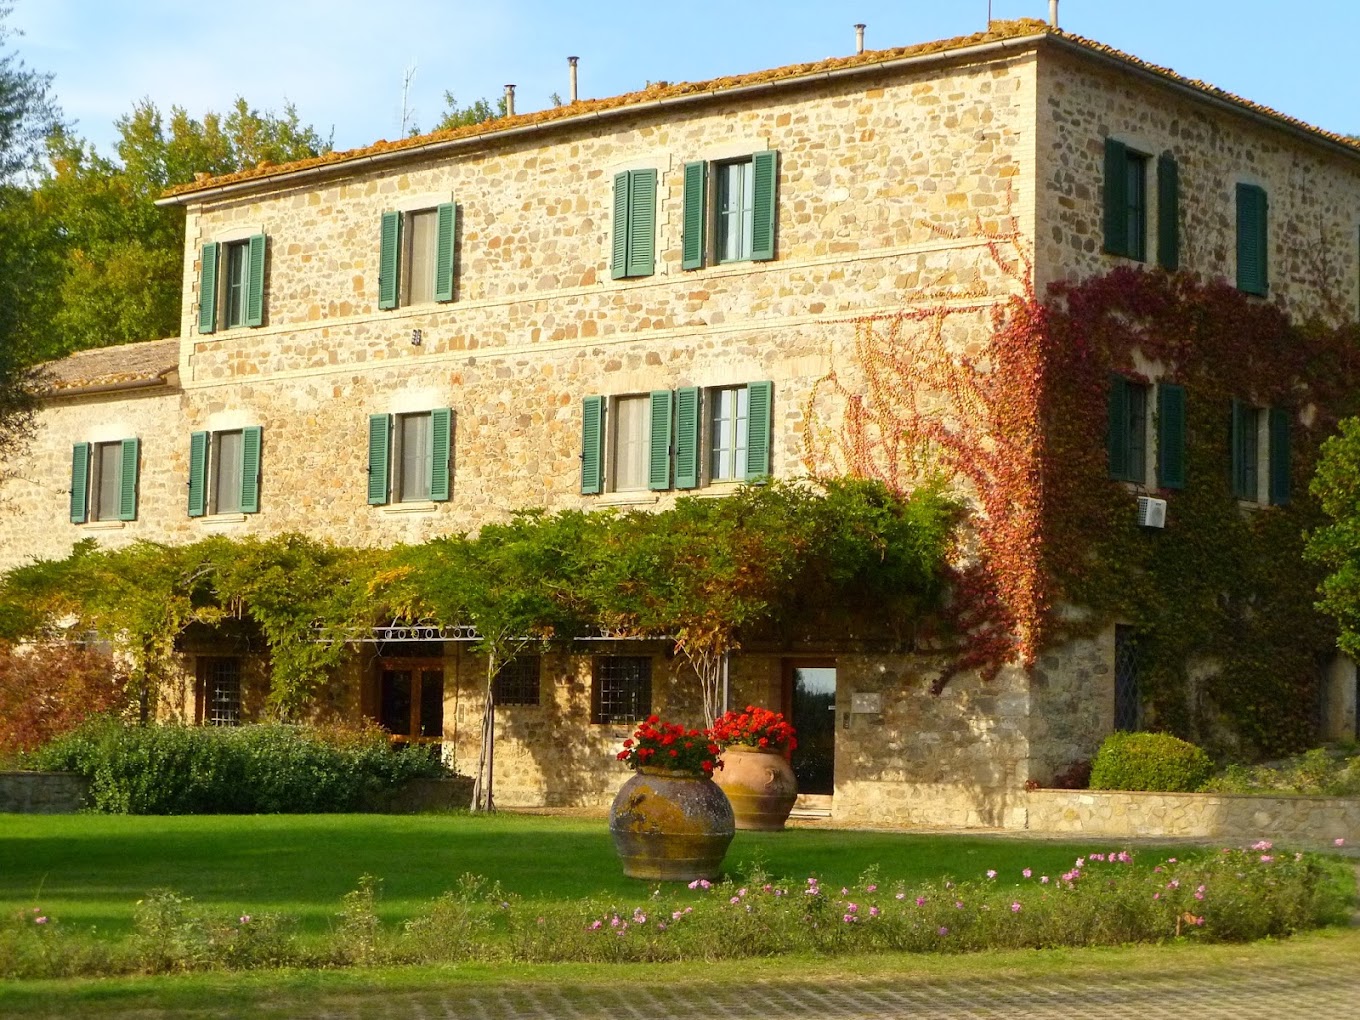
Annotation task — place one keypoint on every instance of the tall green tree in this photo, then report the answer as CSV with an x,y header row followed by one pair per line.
x,y
27,114
118,257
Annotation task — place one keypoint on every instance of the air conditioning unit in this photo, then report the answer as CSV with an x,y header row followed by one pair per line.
x,y
1151,512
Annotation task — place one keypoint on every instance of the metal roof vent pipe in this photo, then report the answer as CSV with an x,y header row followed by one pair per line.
x,y
571,72
509,100
1053,13
859,38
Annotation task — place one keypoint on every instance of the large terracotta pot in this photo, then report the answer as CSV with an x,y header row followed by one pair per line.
x,y
671,826
761,786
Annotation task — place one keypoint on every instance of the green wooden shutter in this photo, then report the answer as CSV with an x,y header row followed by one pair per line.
x,y
127,482
255,282
389,260
642,223
207,289
441,444
758,414
1279,456
1116,197
198,474
688,405
618,259
379,454
446,220
659,442
1168,213
1170,436
765,175
1239,464
1252,240
592,445
1117,433
696,199
250,469
80,483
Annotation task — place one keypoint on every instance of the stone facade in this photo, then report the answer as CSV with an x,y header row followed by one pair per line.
x,y
908,184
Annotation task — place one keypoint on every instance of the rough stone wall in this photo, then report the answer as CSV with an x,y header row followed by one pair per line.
x,y
1313,193
1072,704
1299,821
42,793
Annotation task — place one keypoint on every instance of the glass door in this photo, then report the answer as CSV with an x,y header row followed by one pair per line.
x,y
411,701
810,704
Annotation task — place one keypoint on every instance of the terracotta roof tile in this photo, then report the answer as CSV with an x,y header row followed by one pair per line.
x,y
999,30
128,365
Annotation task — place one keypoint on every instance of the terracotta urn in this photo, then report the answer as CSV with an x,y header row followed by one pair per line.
x,y
671,826
761,786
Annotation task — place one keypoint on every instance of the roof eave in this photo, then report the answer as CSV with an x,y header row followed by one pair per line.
x,y
1240,107
348,166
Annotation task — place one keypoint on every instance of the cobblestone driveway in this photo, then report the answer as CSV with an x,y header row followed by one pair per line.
x,y
1248,991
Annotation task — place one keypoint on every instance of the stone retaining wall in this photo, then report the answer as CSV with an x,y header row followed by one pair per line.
x,y
42,793
1299,820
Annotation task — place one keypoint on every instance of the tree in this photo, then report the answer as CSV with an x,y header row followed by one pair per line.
x,y
1336,486
113,260
27,114
456,116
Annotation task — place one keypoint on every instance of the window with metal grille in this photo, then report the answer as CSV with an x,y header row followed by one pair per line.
x,y
219,681
622,691
517,681
1127,709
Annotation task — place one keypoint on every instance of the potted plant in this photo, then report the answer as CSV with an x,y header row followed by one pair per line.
x,y
757,778
670,822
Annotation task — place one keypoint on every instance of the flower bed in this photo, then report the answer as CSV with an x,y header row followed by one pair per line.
x,y
1104,898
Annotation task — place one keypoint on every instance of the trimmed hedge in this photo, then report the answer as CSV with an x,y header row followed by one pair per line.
x,y
1153,762
257,769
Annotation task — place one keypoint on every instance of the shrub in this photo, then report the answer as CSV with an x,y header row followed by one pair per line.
x,y
48,690
1149,761
1325,772
260,769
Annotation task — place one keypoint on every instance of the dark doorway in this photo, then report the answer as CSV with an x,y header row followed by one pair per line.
x,y
411,701
810,704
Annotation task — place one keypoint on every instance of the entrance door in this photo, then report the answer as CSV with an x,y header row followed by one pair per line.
x,y
810,704
411,701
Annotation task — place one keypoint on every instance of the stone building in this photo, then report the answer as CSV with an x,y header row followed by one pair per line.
x,y
402,341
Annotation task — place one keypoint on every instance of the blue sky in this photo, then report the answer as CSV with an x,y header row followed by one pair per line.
x,y
343,61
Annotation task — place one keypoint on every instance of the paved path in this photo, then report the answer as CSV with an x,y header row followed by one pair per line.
x,y
1246,992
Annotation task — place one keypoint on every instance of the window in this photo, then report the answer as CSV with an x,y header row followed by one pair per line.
x,y
1127,434
416,256
224,471
634,243
410,700
622,690
104,481
219,691
1253,254
676,439
1250,426
1127,699
632,435
727,433
517,681
1125,201
743,210
231,284
409,456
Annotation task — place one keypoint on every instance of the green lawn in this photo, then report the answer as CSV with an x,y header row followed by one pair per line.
x,y
90,870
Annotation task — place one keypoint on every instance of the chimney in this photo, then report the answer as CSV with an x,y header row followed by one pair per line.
x,y
509,100
859,38
1053,13
571,71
